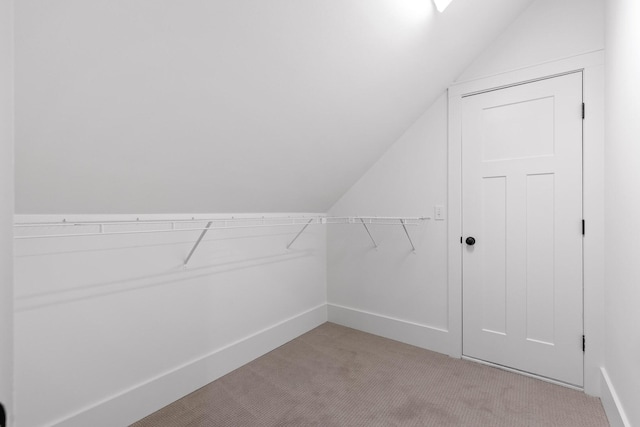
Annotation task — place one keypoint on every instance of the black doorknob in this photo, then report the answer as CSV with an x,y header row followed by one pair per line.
x,y
470,241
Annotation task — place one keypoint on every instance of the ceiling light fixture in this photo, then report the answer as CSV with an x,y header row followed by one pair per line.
x,y
441,5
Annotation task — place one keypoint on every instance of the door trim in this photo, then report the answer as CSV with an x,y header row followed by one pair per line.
x,y
507,86
592,66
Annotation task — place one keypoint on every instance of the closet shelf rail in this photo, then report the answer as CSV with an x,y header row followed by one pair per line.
x,y
25,230
64,228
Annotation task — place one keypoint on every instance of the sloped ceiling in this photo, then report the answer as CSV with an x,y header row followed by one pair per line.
x,y
158,106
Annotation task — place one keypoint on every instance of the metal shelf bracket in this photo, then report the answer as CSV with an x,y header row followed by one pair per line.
x,y
375,245
204,232
299,233
413,248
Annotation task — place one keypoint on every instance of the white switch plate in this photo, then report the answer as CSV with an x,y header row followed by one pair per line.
x,y
439,213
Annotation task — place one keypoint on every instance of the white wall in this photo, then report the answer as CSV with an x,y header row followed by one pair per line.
x,y
159,106
623,205
409,289
6,203
390,284
111,328
548,30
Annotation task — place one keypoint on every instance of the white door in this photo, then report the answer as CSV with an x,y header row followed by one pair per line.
x,y
522,203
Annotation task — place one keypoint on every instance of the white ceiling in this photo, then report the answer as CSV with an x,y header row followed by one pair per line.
x,y
153,106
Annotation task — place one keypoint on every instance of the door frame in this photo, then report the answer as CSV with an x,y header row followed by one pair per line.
x,y
592,67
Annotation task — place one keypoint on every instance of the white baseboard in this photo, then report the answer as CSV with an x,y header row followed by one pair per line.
x,y
611,403
144,399
419,335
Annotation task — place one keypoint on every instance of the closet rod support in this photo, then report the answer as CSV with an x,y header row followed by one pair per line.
x,y
204,232
375,245
413,248
299,233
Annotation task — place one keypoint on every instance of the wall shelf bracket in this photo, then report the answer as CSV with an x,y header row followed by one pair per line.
x,y
204,232
375,245
299,233
404,225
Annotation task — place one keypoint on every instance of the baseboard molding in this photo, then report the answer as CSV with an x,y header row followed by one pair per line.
x,y
423,336
144,399
611,403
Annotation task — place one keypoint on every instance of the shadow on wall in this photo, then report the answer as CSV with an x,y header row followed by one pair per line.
x,y
152,245
69,279
32,302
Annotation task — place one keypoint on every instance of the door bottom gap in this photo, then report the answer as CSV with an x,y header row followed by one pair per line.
x,y
524,373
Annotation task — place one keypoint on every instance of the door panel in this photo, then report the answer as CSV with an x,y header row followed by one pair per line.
x,y
494,215
533,117
522,201
540,280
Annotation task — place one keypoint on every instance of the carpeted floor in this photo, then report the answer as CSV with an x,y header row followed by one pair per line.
x,y
336,376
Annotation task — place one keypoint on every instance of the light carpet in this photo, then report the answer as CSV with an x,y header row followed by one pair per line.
x,y
337,376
